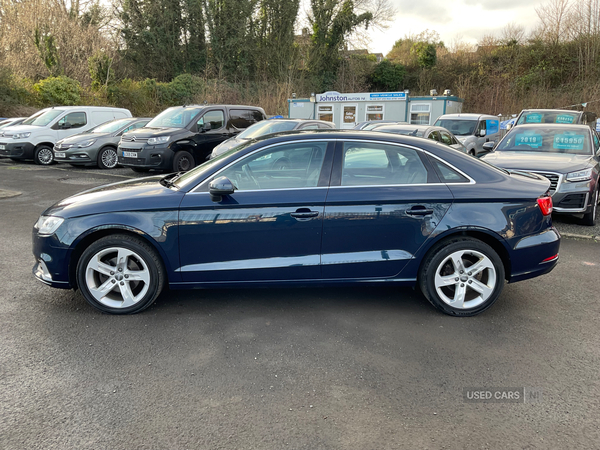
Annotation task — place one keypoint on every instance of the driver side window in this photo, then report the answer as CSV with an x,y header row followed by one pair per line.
x,y
215,118
289,166
73,120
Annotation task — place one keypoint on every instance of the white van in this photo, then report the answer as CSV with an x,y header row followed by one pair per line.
x,y
472,130
36,136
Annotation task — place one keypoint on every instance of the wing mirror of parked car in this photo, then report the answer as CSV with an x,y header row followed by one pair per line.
x,y
489,146
206,127
219,187
482,133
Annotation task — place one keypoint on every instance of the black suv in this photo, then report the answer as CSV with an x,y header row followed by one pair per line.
x,y
181,137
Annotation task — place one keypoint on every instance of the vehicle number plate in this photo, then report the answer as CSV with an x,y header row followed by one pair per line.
x,y
129,155
2,147
60,155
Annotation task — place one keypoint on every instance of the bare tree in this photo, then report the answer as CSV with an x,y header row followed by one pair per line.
x,y
554,19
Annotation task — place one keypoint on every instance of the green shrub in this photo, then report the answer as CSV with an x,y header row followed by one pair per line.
x,y
58,91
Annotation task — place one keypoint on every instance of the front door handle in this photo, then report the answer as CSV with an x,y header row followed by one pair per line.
x,y
304,214
419,211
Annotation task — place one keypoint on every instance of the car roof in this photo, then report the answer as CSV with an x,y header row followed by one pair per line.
x,y
558,126
405,127
466,116
551,110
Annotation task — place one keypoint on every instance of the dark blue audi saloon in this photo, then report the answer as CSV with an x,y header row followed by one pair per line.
x,y
306,208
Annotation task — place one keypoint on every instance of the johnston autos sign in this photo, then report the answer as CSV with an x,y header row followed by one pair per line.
x,y
362,97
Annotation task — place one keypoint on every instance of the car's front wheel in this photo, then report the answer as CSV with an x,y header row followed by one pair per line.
x,y
107,158
120,274
43,155
462,276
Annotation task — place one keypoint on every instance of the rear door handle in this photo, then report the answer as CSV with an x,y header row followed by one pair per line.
x,y
419,211
304,214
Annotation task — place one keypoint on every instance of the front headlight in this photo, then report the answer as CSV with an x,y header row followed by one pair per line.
x,y
158,140
47,225
580,175
21,135
87,143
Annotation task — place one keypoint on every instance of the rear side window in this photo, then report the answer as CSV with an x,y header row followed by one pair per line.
x,y
371,164
243,118
446,138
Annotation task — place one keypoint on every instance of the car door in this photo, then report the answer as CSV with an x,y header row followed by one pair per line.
x,y
211,129
384,202
269,228
71,123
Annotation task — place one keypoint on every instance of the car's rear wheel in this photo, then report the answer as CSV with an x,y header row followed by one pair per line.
x,y
120,274
43,155
183,161
590,218
462,276
107,158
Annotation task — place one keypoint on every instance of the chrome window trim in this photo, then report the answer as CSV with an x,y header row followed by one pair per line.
x,y
471,180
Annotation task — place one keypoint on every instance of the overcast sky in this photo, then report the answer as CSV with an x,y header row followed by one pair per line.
x,y
469,20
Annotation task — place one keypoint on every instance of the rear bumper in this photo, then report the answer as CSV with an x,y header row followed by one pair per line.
x,y
535,255
17,150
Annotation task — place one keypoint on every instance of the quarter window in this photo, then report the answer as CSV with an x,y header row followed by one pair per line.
x,y
289,166
370,164
448,175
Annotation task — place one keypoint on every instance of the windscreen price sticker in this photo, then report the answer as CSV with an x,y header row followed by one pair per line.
x,y
569,141
532,140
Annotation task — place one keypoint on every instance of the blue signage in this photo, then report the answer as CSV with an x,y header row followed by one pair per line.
x,y
492,127
532,140
533,118
568,141
565,118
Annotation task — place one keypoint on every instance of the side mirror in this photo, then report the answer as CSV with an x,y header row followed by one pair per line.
x,y
206,127
65,126
482,133
489,146
219,187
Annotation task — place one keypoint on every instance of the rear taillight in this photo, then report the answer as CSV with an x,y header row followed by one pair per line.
x,y
545,204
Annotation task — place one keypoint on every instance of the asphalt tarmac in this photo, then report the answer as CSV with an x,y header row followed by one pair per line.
x,y
335,368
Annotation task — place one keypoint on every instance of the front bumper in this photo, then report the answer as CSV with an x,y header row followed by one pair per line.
x,y
569,197
146,156
51,261
16,150
78,156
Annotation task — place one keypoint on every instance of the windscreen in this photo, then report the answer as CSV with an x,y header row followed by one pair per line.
x,y
548,140
266,127
174,118
548,117
110,127
43,119
458,127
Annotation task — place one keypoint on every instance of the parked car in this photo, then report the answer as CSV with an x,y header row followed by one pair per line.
x,y
568,155
354,207
36,136
370,124
98,146
181,137
10,122
438,134
565,116
268,127
472,130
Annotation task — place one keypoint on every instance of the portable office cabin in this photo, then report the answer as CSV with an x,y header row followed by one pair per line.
x,y
346,110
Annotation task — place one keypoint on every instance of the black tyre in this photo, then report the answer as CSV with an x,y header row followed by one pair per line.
x,y
589,218
462,276
183,161
43,155
140,169
107,158
120,274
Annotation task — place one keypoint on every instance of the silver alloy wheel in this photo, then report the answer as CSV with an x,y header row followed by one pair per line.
x,y
45,155
465,279
117,277
109,158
